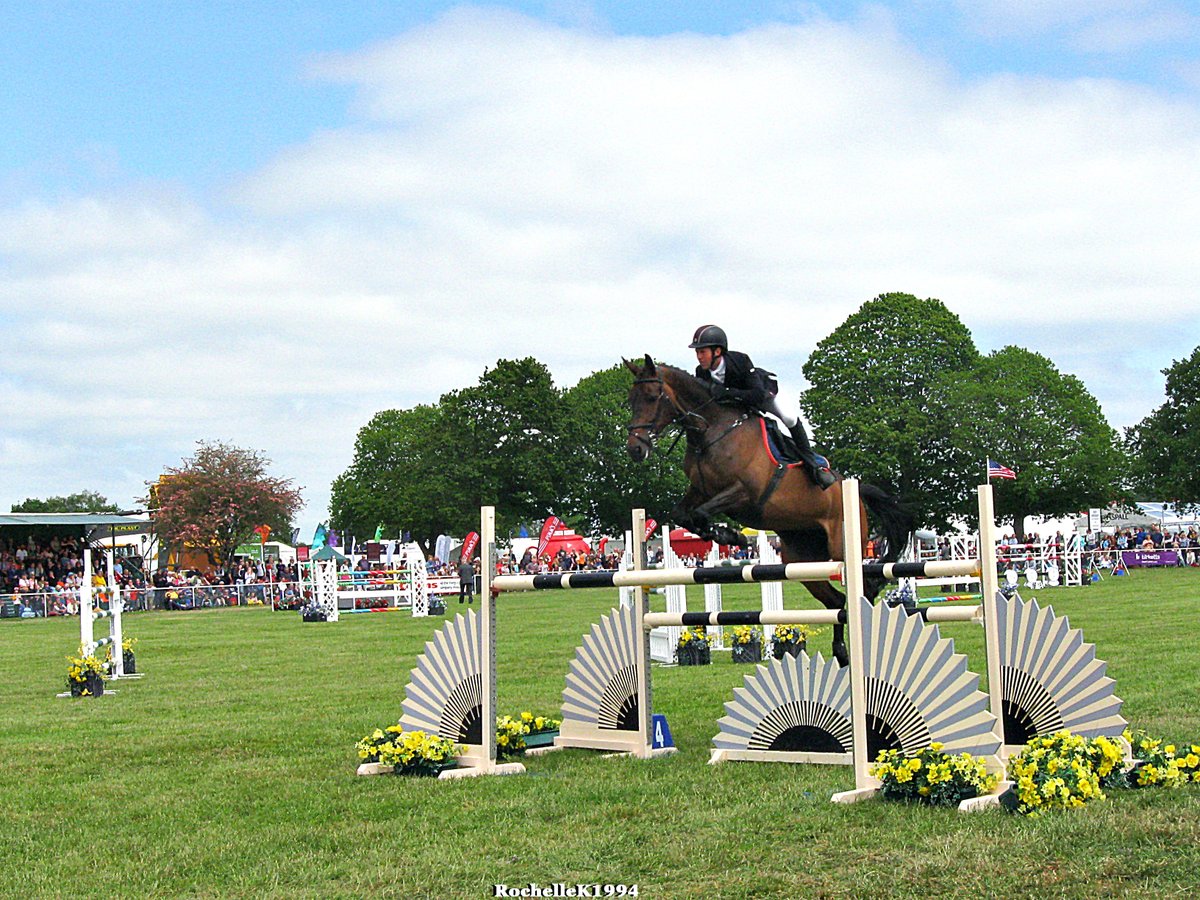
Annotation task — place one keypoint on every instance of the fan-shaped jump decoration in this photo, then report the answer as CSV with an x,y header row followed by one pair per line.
x,y
795,709
918,690
600,700
1051,679
444,696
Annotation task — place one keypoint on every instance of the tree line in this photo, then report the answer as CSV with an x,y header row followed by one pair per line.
x,y
899,396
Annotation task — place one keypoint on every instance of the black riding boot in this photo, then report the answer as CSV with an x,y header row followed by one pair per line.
x,y
820,474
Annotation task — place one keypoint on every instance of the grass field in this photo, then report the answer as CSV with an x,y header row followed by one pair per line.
x,y
229,771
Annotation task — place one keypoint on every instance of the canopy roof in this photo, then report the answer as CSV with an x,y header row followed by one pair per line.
x,y
82,520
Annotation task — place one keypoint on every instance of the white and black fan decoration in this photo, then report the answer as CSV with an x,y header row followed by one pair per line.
x,y
918,690
445,694
600,698
1051,678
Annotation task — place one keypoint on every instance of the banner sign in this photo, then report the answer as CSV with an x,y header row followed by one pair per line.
x,y
1147,558
548,529
301,554
374,551
470,542
650,526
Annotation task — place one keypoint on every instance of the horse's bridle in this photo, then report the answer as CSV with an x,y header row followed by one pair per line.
x,y
681,418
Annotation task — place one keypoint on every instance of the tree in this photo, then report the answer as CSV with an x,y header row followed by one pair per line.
x,y
1017,408
215,500
869,400
83,501
600,482
429,469
1165,446
401,478
502,448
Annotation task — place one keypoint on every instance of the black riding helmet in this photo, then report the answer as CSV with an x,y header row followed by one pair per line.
x,y
709,336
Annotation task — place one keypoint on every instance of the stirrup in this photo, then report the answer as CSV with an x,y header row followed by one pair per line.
x,y
823,477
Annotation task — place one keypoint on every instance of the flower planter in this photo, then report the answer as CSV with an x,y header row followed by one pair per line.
x,y
540,739
437,607
428,770
128,662
94,685
313,616
693,655
747,653
780,650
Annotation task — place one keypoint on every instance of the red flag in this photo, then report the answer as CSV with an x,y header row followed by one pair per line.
x,y
650,526
603,542
550,526
470,542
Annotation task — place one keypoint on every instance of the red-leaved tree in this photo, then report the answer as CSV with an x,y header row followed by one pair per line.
x,y
215,500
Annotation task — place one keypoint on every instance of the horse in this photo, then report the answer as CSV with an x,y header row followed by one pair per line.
x,y
732,474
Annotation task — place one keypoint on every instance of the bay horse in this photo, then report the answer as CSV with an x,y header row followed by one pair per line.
x,y
732,474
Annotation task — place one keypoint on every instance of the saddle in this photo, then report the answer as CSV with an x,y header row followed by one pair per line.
x,y
778,444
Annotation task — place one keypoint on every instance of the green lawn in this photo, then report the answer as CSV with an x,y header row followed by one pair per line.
x,y
229,770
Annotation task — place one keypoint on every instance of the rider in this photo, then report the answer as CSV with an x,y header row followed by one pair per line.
x,y
733,376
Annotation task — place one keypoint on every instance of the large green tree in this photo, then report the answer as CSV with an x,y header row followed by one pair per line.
x,y
1164,448
600,483
83,501
400,479
429,469
502,443
869,400
1016,407
216,499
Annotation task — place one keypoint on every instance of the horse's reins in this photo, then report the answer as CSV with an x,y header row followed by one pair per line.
x,y
681,418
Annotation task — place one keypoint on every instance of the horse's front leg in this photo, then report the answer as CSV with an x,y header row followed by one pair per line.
x,y
695,514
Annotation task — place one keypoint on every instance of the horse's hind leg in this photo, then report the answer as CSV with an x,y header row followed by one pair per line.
x,y
812,546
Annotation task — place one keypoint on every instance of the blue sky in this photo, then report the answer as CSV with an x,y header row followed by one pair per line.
x,y
197,92
371,206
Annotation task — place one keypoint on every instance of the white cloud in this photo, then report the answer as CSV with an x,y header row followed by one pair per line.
x,y
514,188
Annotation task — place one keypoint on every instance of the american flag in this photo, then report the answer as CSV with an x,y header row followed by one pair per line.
x,y
995,470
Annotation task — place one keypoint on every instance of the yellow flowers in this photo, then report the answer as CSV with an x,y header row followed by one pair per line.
x,y
1161,764
410,752
1061,770
511,732
695,636
794,634
82,668
932,776
745,634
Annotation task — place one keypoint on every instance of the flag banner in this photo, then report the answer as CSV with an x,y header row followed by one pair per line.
x,y
995,470
379,532
548,529
470,542
650,526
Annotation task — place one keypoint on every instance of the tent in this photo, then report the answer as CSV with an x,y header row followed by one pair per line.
x,y
684,543
565,539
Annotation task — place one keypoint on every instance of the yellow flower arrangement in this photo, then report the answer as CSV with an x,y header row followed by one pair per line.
x,y
537,724
1160,763
745,634
696,636
82,672
409,752
932,776
1061,771
794,634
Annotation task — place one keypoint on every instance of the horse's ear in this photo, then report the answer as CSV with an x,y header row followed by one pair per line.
x,y
649,370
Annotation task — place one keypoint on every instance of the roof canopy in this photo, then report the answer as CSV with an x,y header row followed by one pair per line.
x,y
80,520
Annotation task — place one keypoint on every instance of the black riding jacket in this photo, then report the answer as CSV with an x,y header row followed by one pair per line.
x,y
743,382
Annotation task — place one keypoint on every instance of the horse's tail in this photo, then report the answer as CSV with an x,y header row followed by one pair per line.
x,y
892,517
